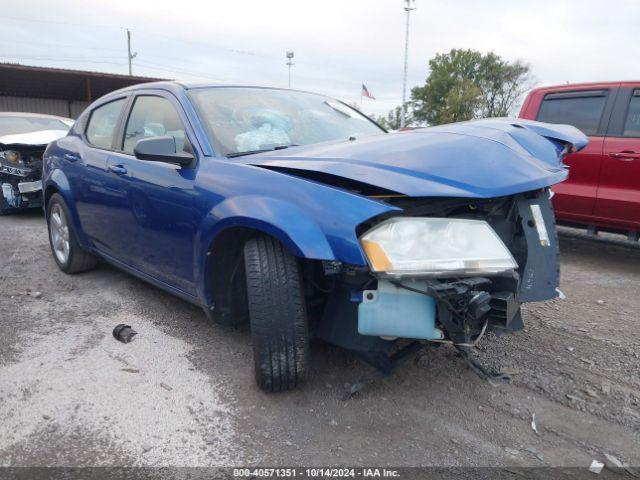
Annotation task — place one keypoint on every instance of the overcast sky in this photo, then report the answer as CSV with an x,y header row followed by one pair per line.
x,y
338,44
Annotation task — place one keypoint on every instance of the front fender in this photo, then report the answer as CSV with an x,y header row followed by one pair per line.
x,y
284,221
319,233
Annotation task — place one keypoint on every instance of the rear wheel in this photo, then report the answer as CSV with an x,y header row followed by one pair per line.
x,y
279,328
67,253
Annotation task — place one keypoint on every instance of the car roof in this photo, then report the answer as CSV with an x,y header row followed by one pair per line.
x,y
583,85
33,115
173,85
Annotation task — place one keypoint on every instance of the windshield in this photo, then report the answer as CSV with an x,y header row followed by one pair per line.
x,y
13,125
245,120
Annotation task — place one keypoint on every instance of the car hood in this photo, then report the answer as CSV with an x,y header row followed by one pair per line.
x,y
32,139
482,158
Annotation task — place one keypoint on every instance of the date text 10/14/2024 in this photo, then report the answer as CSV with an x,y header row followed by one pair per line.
x,y
315,473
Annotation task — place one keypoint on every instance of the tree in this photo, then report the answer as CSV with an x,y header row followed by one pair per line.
x,y
392,120
466,84
502,84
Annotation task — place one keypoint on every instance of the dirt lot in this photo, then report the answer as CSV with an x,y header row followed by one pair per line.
x,y
182,393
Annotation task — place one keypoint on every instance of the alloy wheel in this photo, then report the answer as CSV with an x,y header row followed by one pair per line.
x,y
59,231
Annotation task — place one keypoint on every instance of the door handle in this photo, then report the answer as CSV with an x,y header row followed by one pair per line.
x,y
71,157
117,169
626,155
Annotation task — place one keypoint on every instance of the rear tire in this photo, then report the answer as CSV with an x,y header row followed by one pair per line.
x,y
71,258
279,328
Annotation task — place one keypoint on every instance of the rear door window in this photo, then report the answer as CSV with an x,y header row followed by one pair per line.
x,y
102,125
153,116
632,122
582,109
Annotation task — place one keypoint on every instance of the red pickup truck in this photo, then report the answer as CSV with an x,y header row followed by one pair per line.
x,y
603,189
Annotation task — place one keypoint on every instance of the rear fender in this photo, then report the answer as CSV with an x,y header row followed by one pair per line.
x,y
57,182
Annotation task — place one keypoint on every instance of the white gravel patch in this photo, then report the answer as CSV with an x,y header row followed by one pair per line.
x,y
144,398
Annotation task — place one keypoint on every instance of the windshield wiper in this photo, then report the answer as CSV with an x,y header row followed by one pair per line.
x,y
253,152
341,109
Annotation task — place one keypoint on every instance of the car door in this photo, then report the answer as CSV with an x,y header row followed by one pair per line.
x,y
588,110
96,192
619,190
160,219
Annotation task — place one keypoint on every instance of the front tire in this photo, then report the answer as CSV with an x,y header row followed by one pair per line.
x,y
67,253
279,328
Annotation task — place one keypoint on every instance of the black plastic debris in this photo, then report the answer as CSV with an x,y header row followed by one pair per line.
x,y
124,333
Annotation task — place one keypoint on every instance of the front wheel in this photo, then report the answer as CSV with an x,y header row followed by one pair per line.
x,y
279,328
67,253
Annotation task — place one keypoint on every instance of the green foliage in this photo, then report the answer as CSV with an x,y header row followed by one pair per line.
x,y
392,120
466,84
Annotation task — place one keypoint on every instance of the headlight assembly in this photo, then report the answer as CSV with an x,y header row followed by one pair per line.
x,y
10,156
11,163
435,247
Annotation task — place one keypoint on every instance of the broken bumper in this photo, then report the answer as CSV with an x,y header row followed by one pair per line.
x,y
30,187
18,194
414,313
20,176
460,310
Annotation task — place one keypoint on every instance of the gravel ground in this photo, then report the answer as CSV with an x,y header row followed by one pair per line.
x,y
182,393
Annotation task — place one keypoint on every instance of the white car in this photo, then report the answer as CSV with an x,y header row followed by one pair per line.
x,y
23,139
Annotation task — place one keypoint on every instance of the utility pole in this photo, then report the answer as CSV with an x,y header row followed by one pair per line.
x,y
130,56
408,6
290,64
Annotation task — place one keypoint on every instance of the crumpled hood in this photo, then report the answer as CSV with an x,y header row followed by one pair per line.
x,y
481,158
32,139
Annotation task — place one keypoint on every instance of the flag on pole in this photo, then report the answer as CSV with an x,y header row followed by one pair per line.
x,y
365,92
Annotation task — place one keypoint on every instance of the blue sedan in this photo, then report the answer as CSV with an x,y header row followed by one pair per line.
x,y
296,213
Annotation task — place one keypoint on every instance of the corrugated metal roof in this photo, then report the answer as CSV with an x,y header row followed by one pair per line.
x,y
44,82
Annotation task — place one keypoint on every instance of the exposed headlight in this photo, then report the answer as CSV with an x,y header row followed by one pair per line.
x,y
11,164
11,156
435,247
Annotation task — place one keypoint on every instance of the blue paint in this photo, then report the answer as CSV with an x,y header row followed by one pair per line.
x,y
158,221
479,159
396,312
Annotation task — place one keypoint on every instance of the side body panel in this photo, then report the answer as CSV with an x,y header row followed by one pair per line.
x,y
618,201
155,211
575,198
603,188
95,190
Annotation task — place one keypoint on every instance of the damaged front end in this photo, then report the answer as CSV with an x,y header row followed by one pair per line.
x,y
20,176
443,271
469,234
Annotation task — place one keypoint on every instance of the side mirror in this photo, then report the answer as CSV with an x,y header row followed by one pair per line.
x,y
161,149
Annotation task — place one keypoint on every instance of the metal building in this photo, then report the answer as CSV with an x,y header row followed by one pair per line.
x,y
56,91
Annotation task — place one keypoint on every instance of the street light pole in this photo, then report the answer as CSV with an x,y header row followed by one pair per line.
x,y
408,6
290,63
130,56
